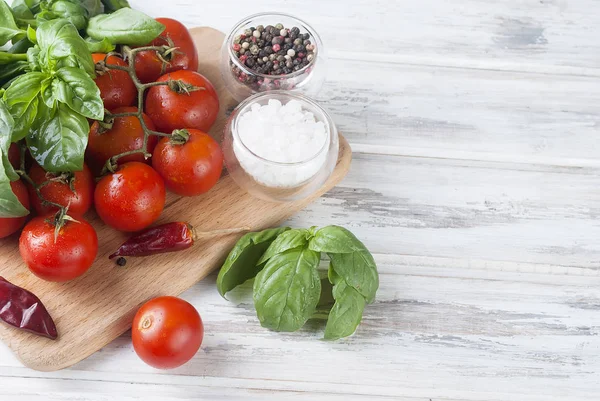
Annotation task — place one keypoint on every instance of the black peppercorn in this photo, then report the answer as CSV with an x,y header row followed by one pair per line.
x,y
121,261
296,62
287,47
288,40
277,40
262,53
268,49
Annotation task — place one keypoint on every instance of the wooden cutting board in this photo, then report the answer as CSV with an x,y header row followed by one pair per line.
x,y
96,308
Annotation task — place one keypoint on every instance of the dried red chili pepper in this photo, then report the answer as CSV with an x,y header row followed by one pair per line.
x,y
23,310
169,237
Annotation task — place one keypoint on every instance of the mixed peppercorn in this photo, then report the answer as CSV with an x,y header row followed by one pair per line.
x,y
271,50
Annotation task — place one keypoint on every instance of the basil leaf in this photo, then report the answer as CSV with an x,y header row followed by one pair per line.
x,y
9,203
61,46
73,12
240,264
58,139
11,71
22,100
8,26
75,88
99,46
335,239
346,314
126,27
359,271
93,7
287,290
23,9
287,240
9,58
21,46
114,5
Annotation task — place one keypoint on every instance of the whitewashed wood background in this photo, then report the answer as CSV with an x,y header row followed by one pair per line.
x,y
476,183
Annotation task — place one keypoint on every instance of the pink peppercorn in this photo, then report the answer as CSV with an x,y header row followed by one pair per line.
x,y
276,48
237,47
243,58
301,55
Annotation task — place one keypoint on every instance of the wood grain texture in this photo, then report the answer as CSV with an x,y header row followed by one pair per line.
x,y
92,310
477,185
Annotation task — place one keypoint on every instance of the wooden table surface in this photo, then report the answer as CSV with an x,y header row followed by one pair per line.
x,y
476,184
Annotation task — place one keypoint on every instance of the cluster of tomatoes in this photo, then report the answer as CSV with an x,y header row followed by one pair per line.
x,y
188,162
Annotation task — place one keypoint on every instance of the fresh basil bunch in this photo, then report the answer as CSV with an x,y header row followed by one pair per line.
x,y
287,287
47,77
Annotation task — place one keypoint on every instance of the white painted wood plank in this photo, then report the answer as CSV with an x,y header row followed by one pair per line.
x,y
515,34
466,114
467,210
434,332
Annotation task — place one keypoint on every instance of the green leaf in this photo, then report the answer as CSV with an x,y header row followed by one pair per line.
x,y
114,5
73,12
93,7
335,239
240,264
346,314
75,88
23,9
59,138
125,26
8,26
11,71
21,46
287,290
61,46
8,58
359,271
99,46
287,240
22,100
9,203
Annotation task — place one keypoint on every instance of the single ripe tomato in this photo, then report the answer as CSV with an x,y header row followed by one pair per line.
x,y
10,225
172,107
148,67
79,199
190,162
132,198
167,332
14,155
126,134
116,86
60,258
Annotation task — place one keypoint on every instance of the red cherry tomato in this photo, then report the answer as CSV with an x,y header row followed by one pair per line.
x,y
10,225
149,67
167,332
126,134
116,86
172,109
132,198
79,199
14,155
189,168
63,258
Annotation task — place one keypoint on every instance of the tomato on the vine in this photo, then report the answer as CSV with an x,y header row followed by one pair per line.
x,y
167,332
14,155
190,161
131,198
126,134
10,225
59,257
149,67
75,190
175,106
116,86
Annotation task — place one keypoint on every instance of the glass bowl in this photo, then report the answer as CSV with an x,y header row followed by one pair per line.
x,y
243,81
275,180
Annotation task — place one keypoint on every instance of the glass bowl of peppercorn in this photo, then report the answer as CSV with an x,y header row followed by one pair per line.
x,y
272,51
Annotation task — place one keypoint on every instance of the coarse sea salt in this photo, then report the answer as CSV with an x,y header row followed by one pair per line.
x,y
285,134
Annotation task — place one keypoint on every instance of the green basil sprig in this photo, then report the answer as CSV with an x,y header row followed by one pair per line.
x,y
287,288
125,26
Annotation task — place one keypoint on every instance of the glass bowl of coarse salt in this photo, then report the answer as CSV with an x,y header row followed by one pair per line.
x,y
280,146
272,51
